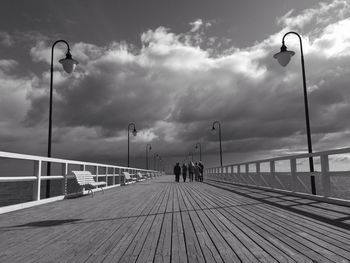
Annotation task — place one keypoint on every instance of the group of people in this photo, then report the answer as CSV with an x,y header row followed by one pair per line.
x,y
194,170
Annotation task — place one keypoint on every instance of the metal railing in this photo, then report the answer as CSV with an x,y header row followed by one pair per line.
x,y
111,174
290,173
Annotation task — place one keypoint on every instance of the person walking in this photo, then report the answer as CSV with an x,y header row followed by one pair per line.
x,y
201,170
177,172
190,171
196,172
184,172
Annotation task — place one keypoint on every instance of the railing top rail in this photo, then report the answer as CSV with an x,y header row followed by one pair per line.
x,y
28,157
296,156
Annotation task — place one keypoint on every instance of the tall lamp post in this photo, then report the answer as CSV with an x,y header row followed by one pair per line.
x,y
199,146
68,64
155,155
148,148
134,132
214,131
283,57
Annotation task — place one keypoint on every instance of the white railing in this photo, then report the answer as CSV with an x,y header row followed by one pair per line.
x,y
111,174
290,173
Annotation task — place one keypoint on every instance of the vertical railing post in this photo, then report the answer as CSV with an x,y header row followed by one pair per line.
x,y
239,174
96,174
257,168
113,175
293,170
272,172
37,183
326,180
106,167
247,172
64,170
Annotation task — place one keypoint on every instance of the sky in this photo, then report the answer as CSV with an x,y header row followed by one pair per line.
x,y
173,68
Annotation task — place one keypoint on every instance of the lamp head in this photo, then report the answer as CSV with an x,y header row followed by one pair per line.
x,y
213,130
68,63
134,132
283,57
196,146
150,147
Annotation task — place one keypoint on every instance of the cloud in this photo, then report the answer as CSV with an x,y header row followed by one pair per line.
x,y
324,13
196,25
173,89
6,39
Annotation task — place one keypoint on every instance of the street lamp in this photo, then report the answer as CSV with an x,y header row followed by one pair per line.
x,y
214,131
68,64
134,132
155,155
283,57
198,145
148,148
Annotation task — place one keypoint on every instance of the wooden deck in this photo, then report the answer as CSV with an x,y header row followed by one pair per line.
x,y
163,221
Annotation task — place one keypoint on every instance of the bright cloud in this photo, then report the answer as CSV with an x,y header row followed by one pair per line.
x,y
173,89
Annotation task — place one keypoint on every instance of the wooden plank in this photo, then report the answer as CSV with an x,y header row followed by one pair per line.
x,y
134,249
150,245
235,239
178,249
163,250
121,241
159,220
306,246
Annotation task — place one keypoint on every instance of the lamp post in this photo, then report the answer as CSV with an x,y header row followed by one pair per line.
x,y
68,64
283,57
148,148
214,131
198,145
134,132
159,160
155,155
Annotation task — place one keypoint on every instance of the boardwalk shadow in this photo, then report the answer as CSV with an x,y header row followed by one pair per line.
x,y
48,223
277,201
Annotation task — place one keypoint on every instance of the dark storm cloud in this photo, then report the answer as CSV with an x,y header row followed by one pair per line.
x,y
175,85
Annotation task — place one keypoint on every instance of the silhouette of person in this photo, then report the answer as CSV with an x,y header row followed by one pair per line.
x,y
190,171
184,172
201,170
196,172
177,172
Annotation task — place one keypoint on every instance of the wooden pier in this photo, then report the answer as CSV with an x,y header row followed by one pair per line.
x,y
159,220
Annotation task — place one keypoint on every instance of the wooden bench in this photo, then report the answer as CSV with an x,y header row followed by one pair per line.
x,y
128,176
141,177
85,178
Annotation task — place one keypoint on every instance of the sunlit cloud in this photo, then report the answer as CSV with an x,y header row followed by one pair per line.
x,y
173,87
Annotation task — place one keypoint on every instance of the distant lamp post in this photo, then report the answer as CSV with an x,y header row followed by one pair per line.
x,y
283,57
159,161
199,146
213,130
68,64
134,132
148,148
155,155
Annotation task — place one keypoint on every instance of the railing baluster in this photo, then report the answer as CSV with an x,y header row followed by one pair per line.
x,y
272,173
37,183
64,173
326,180
293,170
257,168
